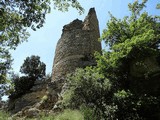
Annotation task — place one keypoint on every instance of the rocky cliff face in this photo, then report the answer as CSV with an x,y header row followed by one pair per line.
x,y
77,46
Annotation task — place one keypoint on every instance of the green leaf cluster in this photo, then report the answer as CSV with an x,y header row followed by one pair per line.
x,y
139,32
33,67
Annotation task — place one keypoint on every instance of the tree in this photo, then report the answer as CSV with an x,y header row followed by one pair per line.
x,y
133,41
34,70
18,15
131,69
33,67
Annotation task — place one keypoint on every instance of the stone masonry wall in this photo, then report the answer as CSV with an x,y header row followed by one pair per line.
x,y
77,45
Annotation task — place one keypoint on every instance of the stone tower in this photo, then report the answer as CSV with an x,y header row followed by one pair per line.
x,y
77,45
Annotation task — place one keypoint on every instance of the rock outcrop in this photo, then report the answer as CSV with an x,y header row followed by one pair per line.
x,y
41,99
77,46
34,96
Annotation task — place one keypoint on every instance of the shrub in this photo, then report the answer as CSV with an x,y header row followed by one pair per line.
x,y
88,113
22,85
90,88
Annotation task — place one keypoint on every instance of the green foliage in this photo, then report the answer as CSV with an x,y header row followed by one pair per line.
x,y
107,90
85,84
131,39
22,85
88,113
63,5
139,30
67,95
127,106
5,65
88,87
6,88
33,67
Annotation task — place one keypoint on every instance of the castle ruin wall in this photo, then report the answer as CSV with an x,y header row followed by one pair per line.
x,y
77,45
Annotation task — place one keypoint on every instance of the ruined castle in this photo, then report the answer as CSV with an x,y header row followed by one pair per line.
x,y
75,48
77,45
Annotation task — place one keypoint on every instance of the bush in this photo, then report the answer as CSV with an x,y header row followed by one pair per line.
x,y
88,113
22,85
90,88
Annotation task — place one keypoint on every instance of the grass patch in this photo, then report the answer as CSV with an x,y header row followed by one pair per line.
x,y
3,115
69,115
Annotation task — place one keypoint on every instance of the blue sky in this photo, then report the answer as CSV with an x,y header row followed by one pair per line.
x,y
43,41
